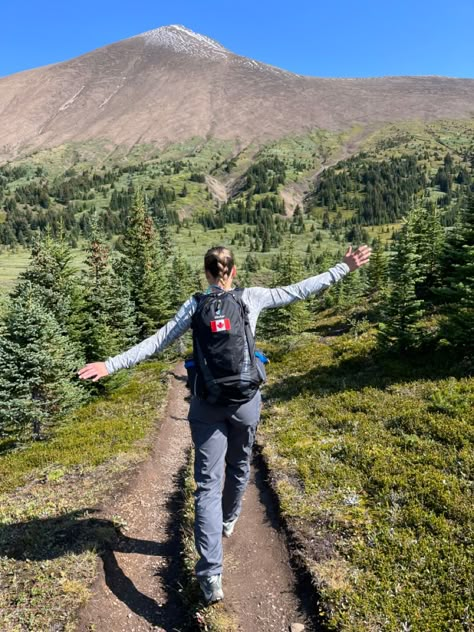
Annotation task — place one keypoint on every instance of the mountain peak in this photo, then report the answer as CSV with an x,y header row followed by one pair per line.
x,y
170,84
182,40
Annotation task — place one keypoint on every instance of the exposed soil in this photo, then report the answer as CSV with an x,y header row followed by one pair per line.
x,y
259,584
138,586
217,189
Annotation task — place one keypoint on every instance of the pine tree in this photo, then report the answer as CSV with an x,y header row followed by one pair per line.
x,y
429,239
350,290
53,277
143,269
37,368
328,298
293,318
458,291
109,318
182,281
377,270
166,242
402,311
251,263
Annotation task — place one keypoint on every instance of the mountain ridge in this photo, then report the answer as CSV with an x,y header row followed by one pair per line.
x,y
170,84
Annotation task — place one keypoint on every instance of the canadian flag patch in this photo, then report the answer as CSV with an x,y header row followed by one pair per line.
x,y
221,324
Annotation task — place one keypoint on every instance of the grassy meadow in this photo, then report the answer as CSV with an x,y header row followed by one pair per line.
x,y
372,461
51,529
193,243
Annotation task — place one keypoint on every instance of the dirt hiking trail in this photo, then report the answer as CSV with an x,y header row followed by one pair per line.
x,y
138,586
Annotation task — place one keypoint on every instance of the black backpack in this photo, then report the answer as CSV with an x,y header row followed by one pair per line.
x,y
225,369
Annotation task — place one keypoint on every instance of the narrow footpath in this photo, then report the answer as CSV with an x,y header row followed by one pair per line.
x,y
138,587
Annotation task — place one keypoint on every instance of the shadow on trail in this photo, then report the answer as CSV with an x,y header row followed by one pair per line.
x,y
180,378
79,531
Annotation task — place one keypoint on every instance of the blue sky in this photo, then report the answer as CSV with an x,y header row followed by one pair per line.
x,y
330,38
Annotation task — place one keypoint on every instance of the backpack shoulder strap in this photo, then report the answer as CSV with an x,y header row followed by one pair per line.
x,y
198,296
237,293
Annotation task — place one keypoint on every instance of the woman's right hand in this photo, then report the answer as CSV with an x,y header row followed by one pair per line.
x,y
94,370
358,258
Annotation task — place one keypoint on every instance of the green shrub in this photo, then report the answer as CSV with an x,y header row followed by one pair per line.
x,y
373,461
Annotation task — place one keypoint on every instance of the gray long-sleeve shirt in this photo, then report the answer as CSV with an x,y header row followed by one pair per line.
x,y
256,298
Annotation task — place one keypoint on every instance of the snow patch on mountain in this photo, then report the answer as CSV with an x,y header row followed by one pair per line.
x,y
117,88
70,101
258,65
182,40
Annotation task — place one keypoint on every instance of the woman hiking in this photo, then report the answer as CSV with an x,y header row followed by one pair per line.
x,y
224,410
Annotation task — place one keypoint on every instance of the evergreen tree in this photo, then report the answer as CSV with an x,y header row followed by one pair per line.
x,y
37,364
294,318
52,276
166,242
143,269
109,319
350,290
402,311
319,264
429,239
451,258
251,263
182,281
326,224
377,269
244,278
458,291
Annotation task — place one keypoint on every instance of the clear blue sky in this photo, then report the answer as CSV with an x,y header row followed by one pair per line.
x,y
326,38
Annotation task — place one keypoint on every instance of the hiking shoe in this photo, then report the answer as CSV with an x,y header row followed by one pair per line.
x,y
228,527
212,588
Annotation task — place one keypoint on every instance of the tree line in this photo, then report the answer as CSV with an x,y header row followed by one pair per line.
x,y
58,318
382,192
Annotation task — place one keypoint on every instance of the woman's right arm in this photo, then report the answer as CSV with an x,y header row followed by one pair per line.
x,y
156,343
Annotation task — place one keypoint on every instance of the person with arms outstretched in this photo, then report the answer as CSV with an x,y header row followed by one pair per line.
x,y
225,404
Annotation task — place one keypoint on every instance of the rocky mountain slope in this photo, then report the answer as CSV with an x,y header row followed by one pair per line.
x,y
170,84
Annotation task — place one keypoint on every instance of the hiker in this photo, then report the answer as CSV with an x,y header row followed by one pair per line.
x,y
225,408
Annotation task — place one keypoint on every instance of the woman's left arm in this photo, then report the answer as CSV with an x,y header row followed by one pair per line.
x,y
266,298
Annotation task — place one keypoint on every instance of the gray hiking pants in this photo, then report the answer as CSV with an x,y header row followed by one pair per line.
x,y
223,437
